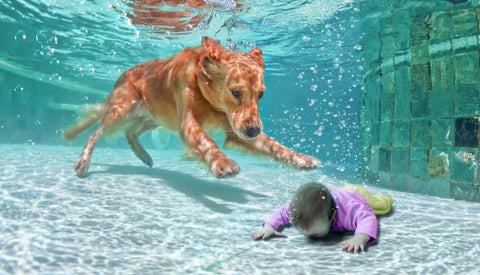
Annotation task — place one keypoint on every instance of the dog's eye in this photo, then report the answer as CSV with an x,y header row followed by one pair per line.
x,y
260,95
237,94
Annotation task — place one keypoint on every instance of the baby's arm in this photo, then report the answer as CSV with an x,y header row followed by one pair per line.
x,y
279,218
366,225
356,243
266,232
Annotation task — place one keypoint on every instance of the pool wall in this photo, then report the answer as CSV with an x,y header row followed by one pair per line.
x,y
421,100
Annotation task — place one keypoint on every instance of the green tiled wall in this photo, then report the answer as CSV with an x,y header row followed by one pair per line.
x,y
421,100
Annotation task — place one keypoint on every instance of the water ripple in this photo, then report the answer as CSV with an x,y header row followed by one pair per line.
x,y
135,220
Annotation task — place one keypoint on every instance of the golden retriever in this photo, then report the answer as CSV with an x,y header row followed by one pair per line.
x,y
199,88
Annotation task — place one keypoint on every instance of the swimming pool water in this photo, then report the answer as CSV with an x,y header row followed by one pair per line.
x,y
175,218
60,55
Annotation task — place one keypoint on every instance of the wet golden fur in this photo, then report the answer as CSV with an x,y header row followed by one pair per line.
x,y
197,89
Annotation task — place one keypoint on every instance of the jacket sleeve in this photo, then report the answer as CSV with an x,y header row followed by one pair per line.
x,y
366,223
279,218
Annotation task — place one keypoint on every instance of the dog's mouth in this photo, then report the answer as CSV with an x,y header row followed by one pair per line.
x,y
244,124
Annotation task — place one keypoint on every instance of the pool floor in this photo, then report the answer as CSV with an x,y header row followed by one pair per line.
x,y
176,218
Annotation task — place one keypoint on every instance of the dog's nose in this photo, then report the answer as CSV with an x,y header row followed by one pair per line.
x,y
252,132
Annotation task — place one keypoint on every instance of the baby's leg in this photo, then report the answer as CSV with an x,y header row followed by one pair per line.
x,y
380,204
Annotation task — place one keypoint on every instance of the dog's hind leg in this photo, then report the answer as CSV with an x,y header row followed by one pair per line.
x,y
132,134
83,162
123,101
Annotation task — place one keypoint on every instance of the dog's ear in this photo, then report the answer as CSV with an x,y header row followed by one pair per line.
x,y
256,54
213,49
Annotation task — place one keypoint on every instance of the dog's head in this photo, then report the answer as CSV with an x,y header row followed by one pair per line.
x,y
233,83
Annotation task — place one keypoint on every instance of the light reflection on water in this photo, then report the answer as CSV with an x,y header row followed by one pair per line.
x,y
175,218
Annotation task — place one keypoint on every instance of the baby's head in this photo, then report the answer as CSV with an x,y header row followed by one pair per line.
x,y
312,210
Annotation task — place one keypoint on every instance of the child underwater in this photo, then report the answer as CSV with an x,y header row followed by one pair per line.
x,y
316,210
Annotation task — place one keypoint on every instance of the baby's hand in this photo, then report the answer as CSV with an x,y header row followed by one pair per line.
x,y
355,244
266,232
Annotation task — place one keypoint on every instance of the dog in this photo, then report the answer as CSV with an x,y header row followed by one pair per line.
x,y
200,88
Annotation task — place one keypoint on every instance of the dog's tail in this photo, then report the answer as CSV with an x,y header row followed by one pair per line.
x,y
90,115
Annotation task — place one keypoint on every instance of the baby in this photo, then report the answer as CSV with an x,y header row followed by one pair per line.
x,y
316,210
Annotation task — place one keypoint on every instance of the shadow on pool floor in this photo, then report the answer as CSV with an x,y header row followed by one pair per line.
x,y
177,218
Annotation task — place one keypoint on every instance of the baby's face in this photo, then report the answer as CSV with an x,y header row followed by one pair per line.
x,y
318,229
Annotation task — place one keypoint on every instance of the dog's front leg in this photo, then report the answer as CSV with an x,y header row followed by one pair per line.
x,y
201,144
267,146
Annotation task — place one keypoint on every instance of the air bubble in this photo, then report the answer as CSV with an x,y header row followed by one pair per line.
x,y
78,44
30,142
90,68
20,35
45,8
49,51
160,138
45,51
78,70
38,123
18,89
54,61
38,53
45,37
54,77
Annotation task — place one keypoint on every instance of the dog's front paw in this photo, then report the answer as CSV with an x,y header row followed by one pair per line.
x,y
81,166
306,162
224,168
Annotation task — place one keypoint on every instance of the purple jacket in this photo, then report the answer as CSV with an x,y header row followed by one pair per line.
x,y
353,214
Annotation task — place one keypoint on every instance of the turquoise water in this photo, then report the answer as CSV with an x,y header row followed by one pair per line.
x,y
176,218
72,53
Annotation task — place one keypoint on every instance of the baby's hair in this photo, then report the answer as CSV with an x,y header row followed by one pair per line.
x,y
310,202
